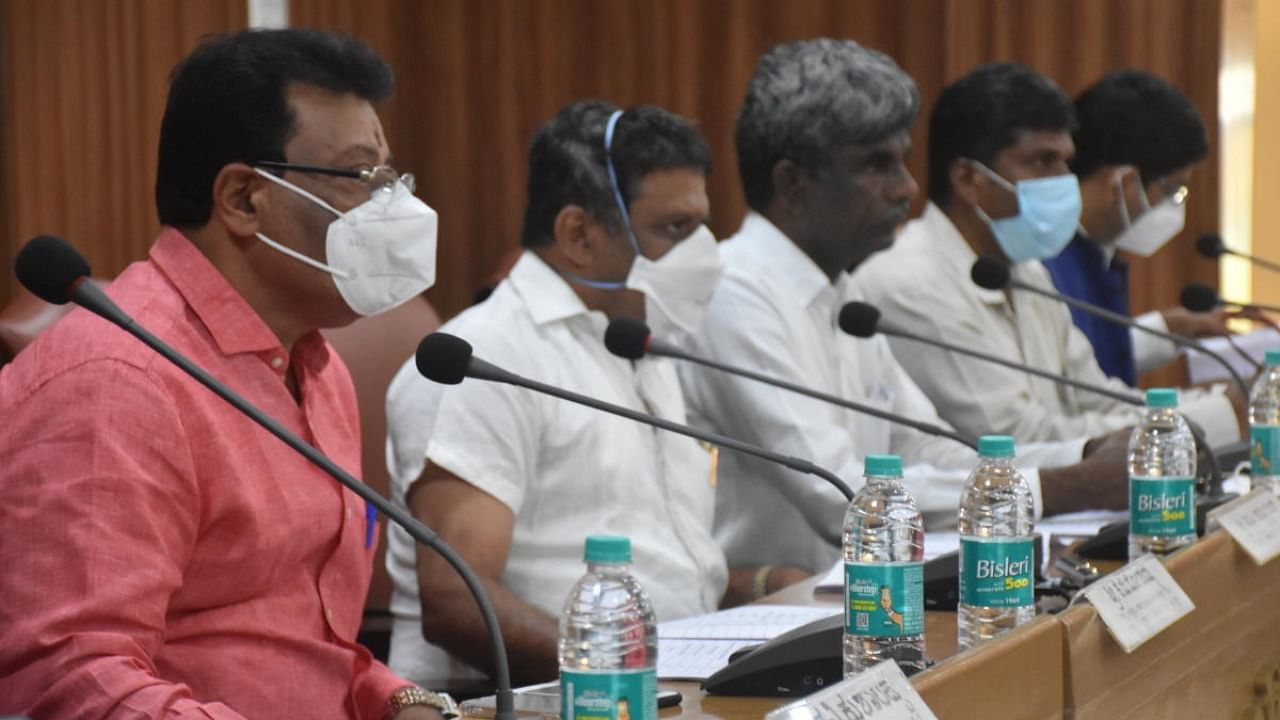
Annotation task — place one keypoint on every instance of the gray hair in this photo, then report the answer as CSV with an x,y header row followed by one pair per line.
x,y
809,97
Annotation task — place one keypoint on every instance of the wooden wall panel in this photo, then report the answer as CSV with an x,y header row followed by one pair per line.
x,y
84,84
478,76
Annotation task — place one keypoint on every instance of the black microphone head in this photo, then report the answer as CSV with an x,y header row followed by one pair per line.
x,y
990,273
443,358
1210,245
859,319
627,338
1199,298
49,267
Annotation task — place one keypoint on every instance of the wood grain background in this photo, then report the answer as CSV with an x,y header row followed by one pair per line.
x,y
82,86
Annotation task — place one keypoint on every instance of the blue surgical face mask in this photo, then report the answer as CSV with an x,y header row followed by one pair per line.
x,y
1048,215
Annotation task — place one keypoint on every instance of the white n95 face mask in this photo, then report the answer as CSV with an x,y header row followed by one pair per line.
x,y
678,286
1154,227
380,253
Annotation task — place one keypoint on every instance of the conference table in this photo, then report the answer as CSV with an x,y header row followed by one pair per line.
x,y
1220,661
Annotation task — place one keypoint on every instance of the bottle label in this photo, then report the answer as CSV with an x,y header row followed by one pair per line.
x,y
1264,449
609,694
1164,506
884,599
997,572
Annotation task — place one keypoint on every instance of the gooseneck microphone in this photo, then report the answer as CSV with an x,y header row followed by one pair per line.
x,y
448,360
1202,298
863,320
631,339
1211,246
57,273
994,274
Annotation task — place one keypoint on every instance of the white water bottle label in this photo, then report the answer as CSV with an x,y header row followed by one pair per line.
x,y
1138,601
881,692
1162,506
997,572
1254,523
1264,449
884,599
609,694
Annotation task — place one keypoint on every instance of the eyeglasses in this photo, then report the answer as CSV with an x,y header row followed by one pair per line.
x,y
1173,191
379,178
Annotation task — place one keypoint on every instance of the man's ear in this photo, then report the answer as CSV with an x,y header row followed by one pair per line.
x,y
239,195
964,180
574,236
789,185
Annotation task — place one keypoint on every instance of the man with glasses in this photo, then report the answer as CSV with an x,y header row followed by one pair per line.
x,y
1137,141
164,556
1000,185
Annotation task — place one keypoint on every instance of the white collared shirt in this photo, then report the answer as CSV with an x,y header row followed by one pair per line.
x,y
775,311
566,471
922,284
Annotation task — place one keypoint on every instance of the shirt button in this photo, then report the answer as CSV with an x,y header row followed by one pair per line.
x,y
277,362
328,615
348,512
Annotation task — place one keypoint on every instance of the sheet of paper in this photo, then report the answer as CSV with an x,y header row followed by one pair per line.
x,y
1202,368
680,659
748,622
1138,601
695,648
880,692
1254,523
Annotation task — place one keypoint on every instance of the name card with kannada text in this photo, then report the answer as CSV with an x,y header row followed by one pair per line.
x,y
1138,601
880,692
1254,523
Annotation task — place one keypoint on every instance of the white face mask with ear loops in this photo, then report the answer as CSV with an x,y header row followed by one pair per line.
x,y
678,286
1154,227
380,253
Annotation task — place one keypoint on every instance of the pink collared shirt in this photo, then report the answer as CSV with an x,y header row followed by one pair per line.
x,y
160,554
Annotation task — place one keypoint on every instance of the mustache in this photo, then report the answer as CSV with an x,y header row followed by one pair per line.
x,y
898,215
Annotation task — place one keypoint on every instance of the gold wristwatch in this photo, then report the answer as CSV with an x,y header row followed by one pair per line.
x,y
413,695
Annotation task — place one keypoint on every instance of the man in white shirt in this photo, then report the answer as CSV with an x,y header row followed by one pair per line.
x,y
822,140
514,480
999,185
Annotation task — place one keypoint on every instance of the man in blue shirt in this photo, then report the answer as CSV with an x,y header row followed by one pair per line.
x,y
1137,142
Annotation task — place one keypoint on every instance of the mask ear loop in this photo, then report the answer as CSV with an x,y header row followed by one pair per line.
x,y
613,178
286,184
995,176
290,251
622,207
1124,205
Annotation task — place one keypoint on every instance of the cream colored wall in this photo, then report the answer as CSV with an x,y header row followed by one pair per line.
x,y
1265,214
1236,116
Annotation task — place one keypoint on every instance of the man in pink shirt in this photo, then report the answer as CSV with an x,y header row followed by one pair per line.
x,y
161,556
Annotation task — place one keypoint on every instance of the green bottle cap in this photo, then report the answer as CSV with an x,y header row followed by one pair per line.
x,y
607,549
1273,357
883,465
995,446
1162,398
